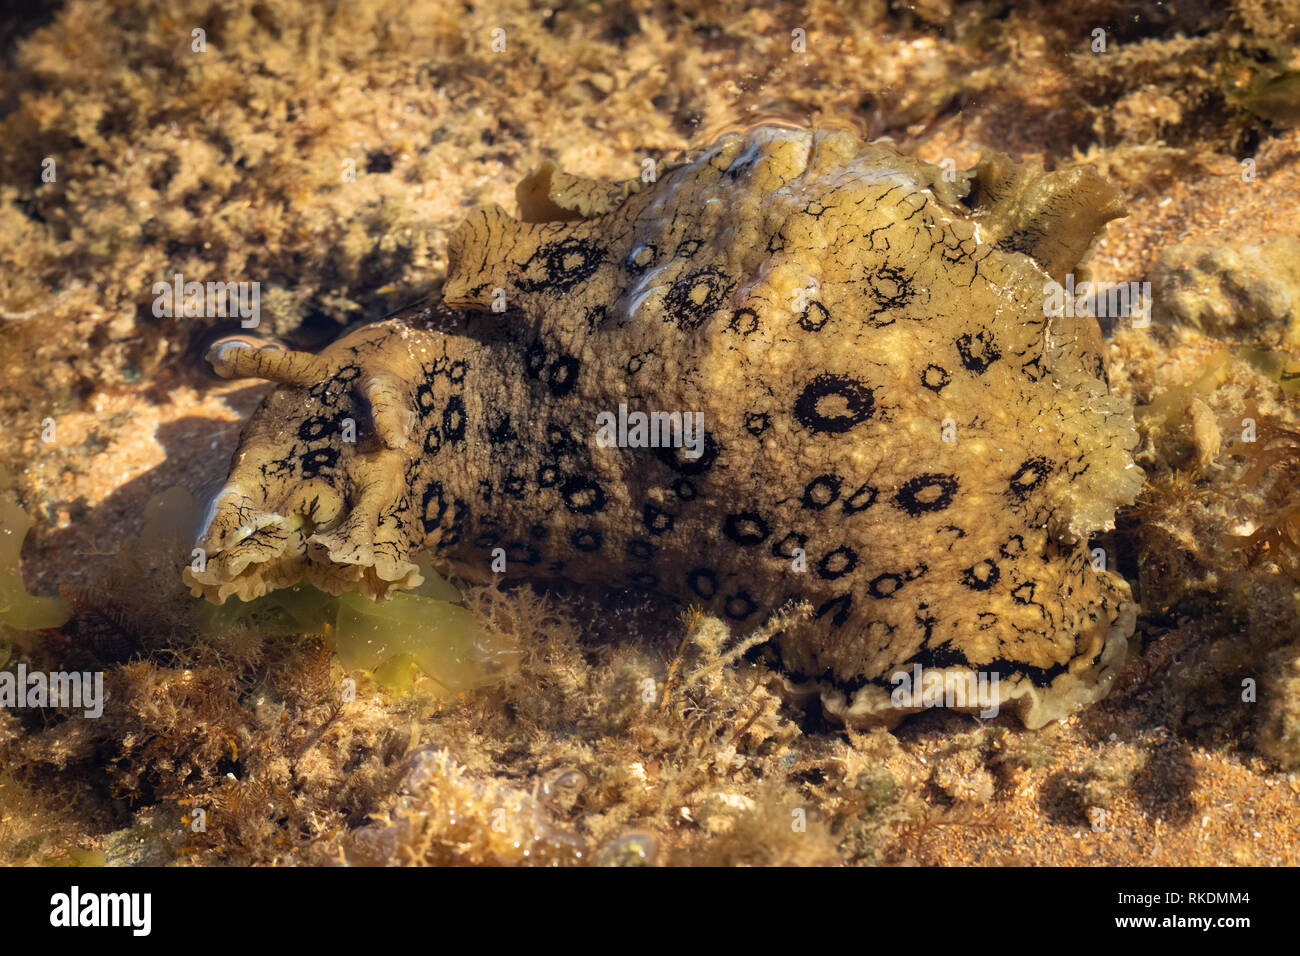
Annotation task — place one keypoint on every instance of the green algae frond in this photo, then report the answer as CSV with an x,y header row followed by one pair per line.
x,y
426,628
1271,94
18,609
442,639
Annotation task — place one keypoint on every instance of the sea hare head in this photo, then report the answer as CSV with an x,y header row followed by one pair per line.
x,y
316,486
894,430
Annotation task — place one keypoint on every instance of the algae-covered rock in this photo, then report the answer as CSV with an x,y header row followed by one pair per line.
x,y
1247,294
1279,735
444,815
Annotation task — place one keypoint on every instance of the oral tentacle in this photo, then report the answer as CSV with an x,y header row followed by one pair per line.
x,y
236,358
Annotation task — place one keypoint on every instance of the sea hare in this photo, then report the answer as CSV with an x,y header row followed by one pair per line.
x,y
893,429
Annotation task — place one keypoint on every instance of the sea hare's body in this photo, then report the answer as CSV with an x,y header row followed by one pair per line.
x,y
894,431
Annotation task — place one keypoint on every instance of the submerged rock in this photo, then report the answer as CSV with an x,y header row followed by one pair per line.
x,y
1246,294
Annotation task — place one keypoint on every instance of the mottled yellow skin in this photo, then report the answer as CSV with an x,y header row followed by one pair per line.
x,y
896,432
